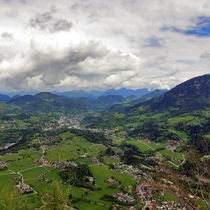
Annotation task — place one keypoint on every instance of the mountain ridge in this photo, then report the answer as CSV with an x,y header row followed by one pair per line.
x,y
189,95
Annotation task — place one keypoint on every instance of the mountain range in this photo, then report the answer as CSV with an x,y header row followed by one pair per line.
x,y
50,102
91,94
186,98
190,95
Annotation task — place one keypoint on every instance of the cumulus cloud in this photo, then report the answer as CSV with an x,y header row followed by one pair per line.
x,y
102,44
84,65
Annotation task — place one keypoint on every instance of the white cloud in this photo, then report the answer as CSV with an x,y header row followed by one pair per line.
x,y
100,44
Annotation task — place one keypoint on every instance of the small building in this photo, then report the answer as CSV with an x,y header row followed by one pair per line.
x,y
111,180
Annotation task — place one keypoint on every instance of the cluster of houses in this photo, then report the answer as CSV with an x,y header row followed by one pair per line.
x,y
42,162
49,126
170,205
144,193
135,172
49,140
116,207
42,178
144,190
166,205
115,157
22,188
63,164
5,155
73,122
128,169
96,161
63,121
119,166
3,165
60,165
124,197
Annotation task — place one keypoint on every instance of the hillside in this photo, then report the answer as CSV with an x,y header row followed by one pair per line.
x,y
48,102
78,94
4,98
193,94
172,116
5,108
150,95
107,101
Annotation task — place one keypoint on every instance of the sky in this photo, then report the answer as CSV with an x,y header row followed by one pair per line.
x,y
102,44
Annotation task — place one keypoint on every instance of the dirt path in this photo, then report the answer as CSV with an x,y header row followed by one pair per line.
x,y
144,198
43,150
22,181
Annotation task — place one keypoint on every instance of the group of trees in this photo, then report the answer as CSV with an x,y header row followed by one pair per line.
x,y
197,135
77,175
130,154
154,131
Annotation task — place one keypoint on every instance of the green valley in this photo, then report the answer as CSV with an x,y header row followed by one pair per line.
x,y
60,153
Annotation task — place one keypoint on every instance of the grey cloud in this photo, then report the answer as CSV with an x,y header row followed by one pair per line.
x,y
61,25
186,61
205,55
84,65
46,21
7,36
10,1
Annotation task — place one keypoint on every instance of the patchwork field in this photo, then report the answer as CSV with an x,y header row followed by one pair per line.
x,y
21,164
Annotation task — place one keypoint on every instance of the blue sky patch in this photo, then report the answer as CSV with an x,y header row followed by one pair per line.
x,y
201,28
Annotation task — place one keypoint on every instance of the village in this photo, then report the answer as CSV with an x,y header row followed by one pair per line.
x,y
73,122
